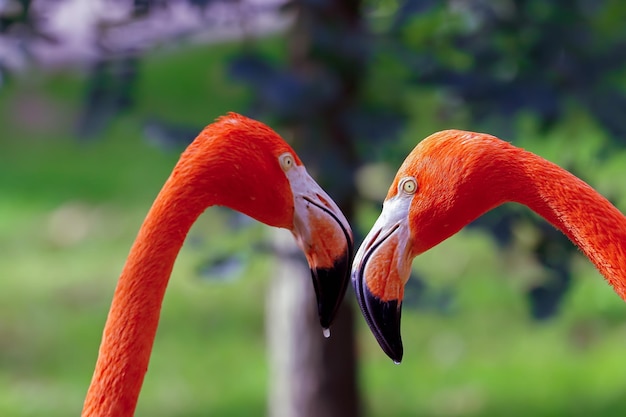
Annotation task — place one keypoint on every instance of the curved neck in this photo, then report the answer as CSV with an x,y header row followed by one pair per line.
x,y
585,216
134,315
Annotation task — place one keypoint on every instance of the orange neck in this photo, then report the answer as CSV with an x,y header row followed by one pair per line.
x,y
134,315
585,216
232,163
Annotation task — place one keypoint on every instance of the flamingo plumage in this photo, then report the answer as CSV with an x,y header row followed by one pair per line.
x,y
238,163
448,180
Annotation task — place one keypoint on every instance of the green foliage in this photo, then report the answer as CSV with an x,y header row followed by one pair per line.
x,y
69,212
502,58
174,84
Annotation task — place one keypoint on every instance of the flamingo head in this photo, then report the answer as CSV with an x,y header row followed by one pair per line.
x,y
448,180
254,171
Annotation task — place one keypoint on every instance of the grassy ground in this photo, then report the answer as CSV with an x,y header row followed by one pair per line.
x,y
69,212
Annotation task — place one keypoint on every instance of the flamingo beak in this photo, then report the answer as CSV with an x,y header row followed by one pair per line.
x,y
323,233
380,270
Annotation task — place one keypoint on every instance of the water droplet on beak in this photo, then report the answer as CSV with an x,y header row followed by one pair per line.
x,y
326,332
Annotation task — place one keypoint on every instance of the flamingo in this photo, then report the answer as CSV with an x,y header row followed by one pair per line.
x,y
448,180
235,162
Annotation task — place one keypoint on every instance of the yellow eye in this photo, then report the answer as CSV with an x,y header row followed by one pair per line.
x,y
408,185
286,161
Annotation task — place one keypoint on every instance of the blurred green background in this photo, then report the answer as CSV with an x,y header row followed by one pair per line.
x,y
72,200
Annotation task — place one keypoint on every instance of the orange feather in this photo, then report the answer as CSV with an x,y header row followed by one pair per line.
x,y
470,173
453,177
234,162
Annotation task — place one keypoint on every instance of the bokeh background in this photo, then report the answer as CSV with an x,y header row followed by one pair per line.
x,y
98,98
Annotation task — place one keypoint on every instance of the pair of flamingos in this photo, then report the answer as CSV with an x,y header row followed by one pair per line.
x,y
448,180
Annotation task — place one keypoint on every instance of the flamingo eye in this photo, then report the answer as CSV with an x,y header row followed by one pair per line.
x,y
408,185
286,161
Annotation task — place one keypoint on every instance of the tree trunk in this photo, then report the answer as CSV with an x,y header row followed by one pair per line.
x,y
313,376
310,376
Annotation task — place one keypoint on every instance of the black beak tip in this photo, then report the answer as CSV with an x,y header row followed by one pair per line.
x,y
330,287
383,318
396,355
